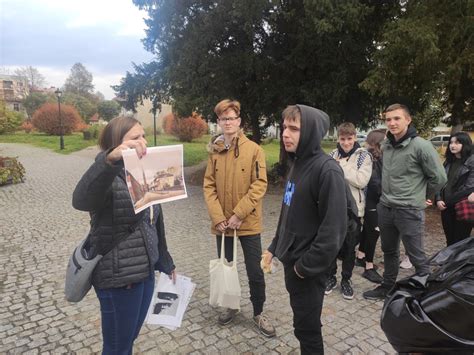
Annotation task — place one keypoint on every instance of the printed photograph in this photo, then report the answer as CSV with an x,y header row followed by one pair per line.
x,y
155,178
167,306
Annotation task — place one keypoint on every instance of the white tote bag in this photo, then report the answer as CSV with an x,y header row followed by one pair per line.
x,y
225,285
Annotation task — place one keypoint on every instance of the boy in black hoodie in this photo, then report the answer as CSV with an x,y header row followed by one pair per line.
x,y
311,227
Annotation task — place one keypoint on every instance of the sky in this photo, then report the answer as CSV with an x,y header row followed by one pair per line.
x,y
51,35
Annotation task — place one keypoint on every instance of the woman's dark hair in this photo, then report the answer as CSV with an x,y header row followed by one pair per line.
x,y
374,138
115,130
466,151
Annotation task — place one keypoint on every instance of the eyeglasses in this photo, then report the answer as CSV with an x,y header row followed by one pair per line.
x,y
225,119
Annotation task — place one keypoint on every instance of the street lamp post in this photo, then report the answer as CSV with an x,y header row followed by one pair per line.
x,y
61,138
154,127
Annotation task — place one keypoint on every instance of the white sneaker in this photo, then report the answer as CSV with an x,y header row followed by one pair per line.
x,y
406,264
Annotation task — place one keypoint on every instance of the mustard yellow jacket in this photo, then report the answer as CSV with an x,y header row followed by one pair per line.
x,y
235,183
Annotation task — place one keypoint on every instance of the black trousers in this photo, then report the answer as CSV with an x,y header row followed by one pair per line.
x,y
306,300
347,254
454,230
252,248
370,234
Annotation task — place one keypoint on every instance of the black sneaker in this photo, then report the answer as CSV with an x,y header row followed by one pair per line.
x,y
378,294
331,284
373,276
346,289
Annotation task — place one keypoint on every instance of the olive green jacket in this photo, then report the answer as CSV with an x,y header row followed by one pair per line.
x,y
409,169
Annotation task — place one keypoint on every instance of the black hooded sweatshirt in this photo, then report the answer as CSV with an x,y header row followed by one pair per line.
x,y
313,218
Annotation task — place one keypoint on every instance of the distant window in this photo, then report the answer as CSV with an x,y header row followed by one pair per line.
x,y
446,138
16,107
7,84
436,139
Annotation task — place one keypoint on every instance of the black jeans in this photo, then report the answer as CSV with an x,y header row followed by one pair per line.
x,y
306,300
370,234
252,248
406,225
454,230
347,254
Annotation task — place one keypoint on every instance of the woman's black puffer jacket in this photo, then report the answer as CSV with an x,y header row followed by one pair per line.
x,y
463,185
102,191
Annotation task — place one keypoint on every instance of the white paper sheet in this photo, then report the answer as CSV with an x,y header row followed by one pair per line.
x,y
170,301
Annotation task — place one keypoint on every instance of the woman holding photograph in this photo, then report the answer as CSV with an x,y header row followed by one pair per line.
x,y
124,278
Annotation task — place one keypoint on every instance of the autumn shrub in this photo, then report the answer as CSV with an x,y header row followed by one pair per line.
x,y
94,130
82,126
46,119
189,128
169,122
27,126
9,120
11,171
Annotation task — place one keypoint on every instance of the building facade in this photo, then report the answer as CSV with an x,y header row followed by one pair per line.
x,y
13,89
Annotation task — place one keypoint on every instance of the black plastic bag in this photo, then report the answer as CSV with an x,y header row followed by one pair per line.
x,y
435,312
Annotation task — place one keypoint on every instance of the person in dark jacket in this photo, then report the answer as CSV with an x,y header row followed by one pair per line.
x,y
459,165
124,278
370,230
311,227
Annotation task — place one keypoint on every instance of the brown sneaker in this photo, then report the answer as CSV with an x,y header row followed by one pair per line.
x,y
227,316
263,324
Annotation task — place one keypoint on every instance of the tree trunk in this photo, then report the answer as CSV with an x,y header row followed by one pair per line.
x,y
255,124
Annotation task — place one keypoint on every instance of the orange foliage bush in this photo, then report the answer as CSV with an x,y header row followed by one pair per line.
x,y
169,123
27,126
82,126
46,119
189,128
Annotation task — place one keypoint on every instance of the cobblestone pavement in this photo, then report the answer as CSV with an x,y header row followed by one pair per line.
x,y
39,229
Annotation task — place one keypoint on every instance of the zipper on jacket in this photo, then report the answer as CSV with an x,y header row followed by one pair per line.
x,y
256,170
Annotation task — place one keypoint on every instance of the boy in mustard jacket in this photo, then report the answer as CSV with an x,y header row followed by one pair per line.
x,y
234,185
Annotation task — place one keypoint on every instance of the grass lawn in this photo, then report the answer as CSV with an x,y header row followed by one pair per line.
x,y
72,142
194,152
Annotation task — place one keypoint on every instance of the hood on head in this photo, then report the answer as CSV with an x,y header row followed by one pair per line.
x,y
314,126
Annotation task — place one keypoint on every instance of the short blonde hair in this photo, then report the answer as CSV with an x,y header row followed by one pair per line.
x,y
227,104
346,129
291,113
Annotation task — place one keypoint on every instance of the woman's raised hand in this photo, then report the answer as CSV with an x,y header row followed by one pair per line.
x,y
138,144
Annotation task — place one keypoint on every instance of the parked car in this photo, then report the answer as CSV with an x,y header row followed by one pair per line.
x,y
361,138
440,141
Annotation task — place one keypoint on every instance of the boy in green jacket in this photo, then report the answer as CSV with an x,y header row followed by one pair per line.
x,y
410,166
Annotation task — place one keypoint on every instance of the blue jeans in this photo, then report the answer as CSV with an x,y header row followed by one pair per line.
x,y
123,312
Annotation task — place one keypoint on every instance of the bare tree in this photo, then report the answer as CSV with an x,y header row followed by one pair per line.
x,y
32,76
